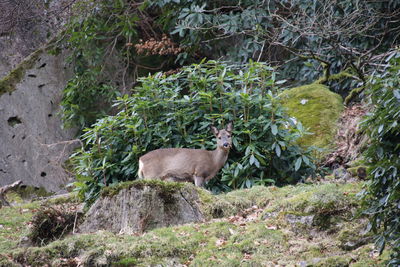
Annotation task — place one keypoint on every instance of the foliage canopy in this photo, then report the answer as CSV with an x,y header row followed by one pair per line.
x,y
115,42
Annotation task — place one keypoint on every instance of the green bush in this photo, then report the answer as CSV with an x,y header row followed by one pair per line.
x,y
177,111
383,154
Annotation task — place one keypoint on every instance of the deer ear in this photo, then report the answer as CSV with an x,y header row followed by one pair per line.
x,y
214,130
229,127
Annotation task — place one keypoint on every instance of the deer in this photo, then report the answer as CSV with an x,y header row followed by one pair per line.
x,y
187,165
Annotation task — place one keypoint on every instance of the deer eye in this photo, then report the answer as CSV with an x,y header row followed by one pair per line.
x,y
228,136
219,138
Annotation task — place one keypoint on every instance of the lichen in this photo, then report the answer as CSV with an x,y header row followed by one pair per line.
x,y
318,109
8,83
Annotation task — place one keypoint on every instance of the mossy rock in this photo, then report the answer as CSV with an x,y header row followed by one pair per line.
x,y
353,235
143,205
318,109
8,83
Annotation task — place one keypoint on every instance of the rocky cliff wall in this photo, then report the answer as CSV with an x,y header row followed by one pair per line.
x,y
33,145
25,25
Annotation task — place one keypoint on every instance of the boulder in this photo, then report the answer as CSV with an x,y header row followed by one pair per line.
x,y
318,109
135,207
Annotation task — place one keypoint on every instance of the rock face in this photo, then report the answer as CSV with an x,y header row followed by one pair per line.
x,y
144,205
25,25
33,144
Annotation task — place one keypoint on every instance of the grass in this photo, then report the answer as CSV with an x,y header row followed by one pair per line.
x,y
223,241
13,225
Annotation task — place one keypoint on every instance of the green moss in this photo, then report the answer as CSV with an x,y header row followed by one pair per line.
x,y
8,83
353,236
367,256
353,94
335,261
334,77
263,241
32,192
164,187
353,170
126,262
319,113
317,198
68,198
13,222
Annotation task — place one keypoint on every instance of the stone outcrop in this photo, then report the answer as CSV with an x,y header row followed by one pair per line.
x,y
33,145
26,25
143,205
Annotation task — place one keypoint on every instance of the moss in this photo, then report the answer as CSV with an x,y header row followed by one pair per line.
x,y
25,193
32,192
8,83
335,261
63,199
126,262
317,198
13,222
167,188
262,241
354,170
5,262
367,256
330,177
334,77
353,235
353,94
319,113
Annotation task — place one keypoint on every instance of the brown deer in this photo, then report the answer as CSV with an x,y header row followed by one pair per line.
x,y
187,165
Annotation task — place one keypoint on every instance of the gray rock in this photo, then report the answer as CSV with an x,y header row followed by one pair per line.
x,y
33,144
143,207
25,26
342,174
354,244
294,219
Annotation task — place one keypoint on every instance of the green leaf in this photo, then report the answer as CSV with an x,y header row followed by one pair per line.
x,y
297,164
252,159
278,150
274,129
306,160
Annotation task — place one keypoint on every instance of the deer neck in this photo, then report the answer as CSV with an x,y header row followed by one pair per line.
x,y
220,156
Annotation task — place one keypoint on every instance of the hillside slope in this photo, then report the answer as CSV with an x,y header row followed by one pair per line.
x,y
303,225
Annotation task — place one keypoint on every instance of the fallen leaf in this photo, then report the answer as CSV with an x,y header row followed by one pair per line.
x,y
247,256
271,227
220,242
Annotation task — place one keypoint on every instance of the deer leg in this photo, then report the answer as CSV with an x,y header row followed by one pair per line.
x,y
198,181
